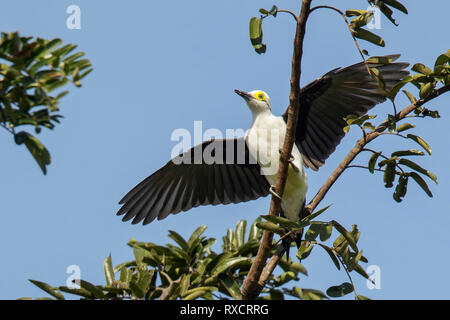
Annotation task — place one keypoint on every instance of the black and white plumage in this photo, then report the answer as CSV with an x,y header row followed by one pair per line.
x,y
240,172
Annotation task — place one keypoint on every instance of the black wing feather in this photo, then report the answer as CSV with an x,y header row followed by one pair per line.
x,y
326,101
181,186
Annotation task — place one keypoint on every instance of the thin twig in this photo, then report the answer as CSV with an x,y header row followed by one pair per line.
x,y
363,167
348,274
375,169
349,29
290,12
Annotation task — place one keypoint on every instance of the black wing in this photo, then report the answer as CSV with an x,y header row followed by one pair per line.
x,y
326,101
214,172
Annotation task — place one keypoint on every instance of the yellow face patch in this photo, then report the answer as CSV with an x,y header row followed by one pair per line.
x,y
260,95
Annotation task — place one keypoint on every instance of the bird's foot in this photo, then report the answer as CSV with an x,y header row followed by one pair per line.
x,y
294,166
272,191
291,161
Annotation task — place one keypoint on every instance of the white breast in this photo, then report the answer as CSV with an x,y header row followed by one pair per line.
x,y
264,139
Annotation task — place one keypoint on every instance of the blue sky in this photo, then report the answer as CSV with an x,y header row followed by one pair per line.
x,y
162,65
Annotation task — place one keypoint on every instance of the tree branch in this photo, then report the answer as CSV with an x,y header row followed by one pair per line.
x,y
251,287
361,144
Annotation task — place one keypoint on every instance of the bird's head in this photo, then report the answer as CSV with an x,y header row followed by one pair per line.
x,y
257,100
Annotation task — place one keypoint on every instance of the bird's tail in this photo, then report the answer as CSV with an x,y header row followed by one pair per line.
x,y
296,236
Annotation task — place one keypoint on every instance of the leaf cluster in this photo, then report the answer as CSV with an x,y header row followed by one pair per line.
x,y
31,71
189,269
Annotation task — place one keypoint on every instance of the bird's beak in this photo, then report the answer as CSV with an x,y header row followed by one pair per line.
x,y
244,95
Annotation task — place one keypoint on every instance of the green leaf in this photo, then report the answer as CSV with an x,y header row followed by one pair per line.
x,y
403,153
79,292
389,174
274,11
125,275
326,231
230,263
196,234
401,188
250,247
309,294
347,235
373,160
340,290
293,266
426,89
139,254
411,98
368,126
361,271
332,255
378,77
421,68
315,214
387,12
418,168
255,232
231,286
47,288
396,88
198,292
361,20
392,123
109,271
379,59
404,127
421,142
256,35
280,220
240,232
96,291
313,232
38,151
441,61
354,13
185,283
127,264
178,239
286,277
275,294
397,5
421,183
431,113
272,227
304,251
368,36
141,283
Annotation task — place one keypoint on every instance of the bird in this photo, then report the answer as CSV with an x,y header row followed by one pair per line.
x,y
224,171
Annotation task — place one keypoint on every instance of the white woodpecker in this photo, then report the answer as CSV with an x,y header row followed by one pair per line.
x,y
243,169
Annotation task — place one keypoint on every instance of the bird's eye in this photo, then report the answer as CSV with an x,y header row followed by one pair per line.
x,y
261,96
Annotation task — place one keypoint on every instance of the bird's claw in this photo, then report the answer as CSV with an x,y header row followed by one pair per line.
x,y
291,157
291,161
294,166
272,191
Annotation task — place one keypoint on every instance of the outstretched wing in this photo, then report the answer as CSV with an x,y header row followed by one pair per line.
x,y
339,93
213,172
